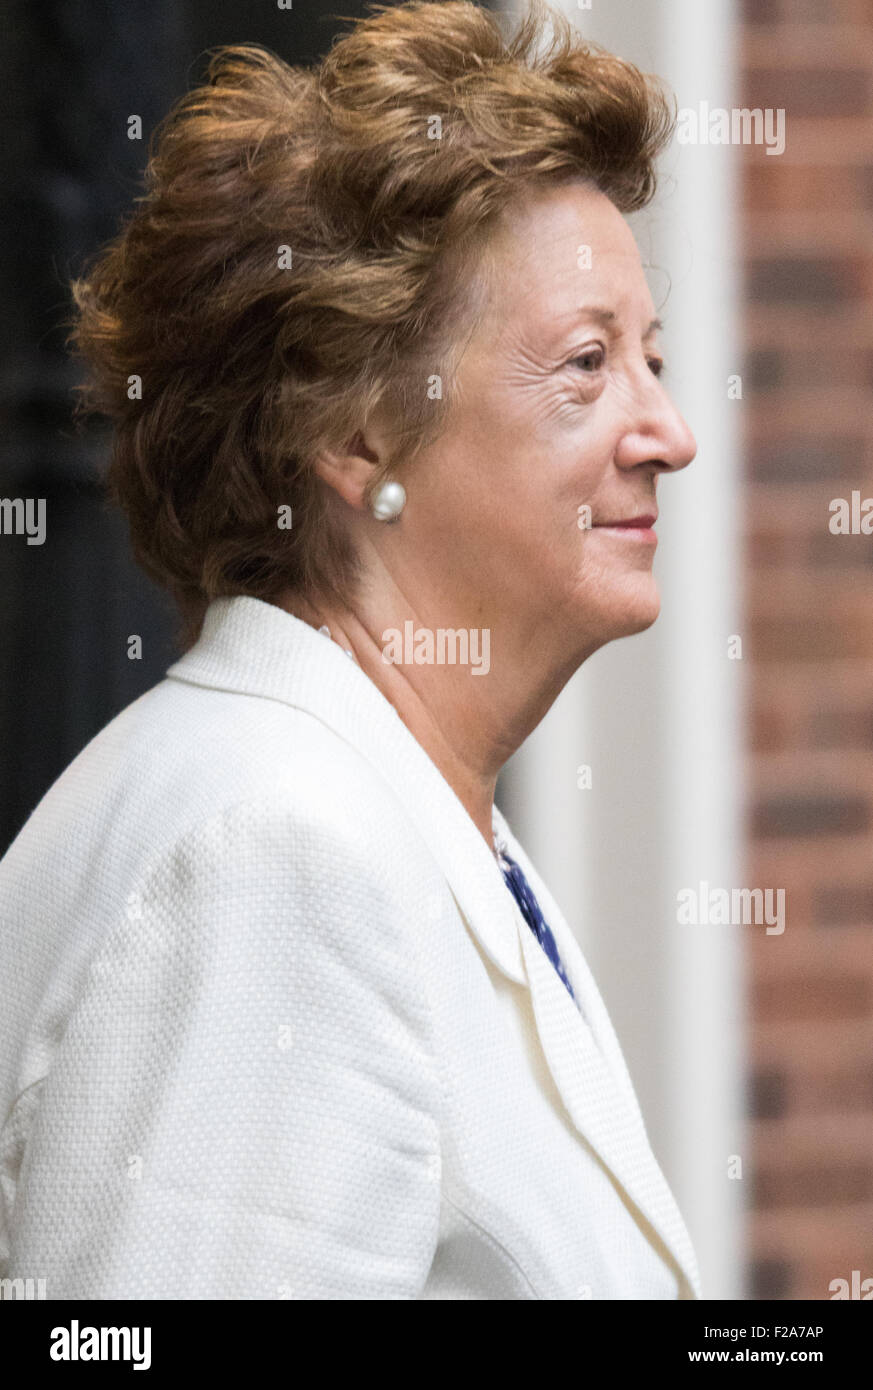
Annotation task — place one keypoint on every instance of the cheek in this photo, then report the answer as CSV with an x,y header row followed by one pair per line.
x,y
515,466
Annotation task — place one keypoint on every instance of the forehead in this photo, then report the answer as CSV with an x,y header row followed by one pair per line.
x,y
558,249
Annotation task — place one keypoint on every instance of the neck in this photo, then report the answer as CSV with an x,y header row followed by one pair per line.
x,y
469,725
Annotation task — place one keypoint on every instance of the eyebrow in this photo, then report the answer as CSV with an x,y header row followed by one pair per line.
x,y
607,317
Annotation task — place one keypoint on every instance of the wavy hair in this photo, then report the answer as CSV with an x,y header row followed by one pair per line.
x,y
306,251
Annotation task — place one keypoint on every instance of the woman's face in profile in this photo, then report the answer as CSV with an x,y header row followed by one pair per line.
x,y
557,405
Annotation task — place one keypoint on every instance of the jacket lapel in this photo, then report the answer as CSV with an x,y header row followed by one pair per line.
x,y
258,649
588,1068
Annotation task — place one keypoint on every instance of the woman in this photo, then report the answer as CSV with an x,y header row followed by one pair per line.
x,y
288,1011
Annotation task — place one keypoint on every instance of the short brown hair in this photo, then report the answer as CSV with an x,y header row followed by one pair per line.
x,y
248,367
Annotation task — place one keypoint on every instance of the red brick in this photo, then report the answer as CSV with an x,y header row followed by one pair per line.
x,y
807,421
845,995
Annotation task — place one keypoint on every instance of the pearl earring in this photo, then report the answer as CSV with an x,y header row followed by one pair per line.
x,y
388,501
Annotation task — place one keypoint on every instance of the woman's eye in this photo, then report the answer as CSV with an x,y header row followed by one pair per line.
x,y
591,360
656,365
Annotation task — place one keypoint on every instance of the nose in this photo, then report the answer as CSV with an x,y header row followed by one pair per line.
x,y
657,434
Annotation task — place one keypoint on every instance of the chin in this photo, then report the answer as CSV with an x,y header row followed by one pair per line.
x,y
638,609
606,611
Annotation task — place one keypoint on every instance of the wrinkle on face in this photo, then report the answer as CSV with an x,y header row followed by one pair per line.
x,y
537,427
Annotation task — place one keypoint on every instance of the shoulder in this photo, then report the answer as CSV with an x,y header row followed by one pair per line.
x,y
187,772
290,854
201,822
192,750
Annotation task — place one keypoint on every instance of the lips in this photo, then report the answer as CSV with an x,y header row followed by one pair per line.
x,y
634,523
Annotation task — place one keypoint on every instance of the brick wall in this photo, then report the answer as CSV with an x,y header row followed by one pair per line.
x,y
808,394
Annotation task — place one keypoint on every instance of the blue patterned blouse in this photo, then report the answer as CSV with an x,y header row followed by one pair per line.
x,y
530,910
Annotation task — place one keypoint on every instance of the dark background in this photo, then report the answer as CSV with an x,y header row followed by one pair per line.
x,y
71,73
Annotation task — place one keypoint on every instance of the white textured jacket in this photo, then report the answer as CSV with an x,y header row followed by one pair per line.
x,y
272,1026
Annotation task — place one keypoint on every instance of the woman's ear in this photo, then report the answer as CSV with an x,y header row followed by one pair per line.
x,y
349,471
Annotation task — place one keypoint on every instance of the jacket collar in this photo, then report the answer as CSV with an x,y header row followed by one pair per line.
x,y
256,648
